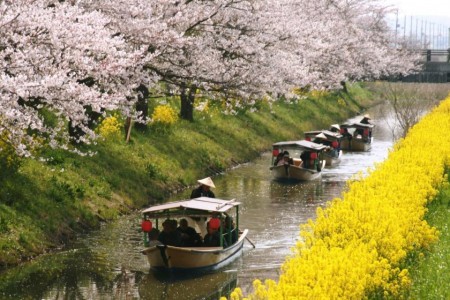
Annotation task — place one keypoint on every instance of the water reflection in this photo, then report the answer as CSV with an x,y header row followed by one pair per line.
x,y
107,264
209,286
73,274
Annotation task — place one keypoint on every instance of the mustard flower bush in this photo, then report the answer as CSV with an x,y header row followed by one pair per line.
x,y
356,246
316,94
110,127
164,115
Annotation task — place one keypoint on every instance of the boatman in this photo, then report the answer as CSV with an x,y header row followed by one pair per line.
x,y
366,119
204,190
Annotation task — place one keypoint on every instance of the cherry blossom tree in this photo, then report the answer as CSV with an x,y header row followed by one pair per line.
x,y
58,61
205,46
324,43
61,60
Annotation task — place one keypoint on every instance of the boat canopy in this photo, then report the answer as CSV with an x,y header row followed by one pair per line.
x,y
329,134
357,125
301,144
196,206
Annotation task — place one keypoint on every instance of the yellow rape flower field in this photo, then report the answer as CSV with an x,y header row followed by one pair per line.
x,y
356,247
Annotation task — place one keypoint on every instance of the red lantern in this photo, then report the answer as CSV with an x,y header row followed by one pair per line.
x,y
334,144
275,152
214,223
308,139
366,132
146,225
313,155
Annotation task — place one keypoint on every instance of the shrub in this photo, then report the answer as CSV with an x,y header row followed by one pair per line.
x,y
110,127
164,115
9,161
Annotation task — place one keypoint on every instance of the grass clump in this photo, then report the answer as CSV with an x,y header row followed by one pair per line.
x,y
431,275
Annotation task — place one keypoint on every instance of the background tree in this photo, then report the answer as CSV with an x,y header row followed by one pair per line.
x,y
64,61
46,51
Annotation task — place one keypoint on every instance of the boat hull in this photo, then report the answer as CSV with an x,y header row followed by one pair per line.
x,y
193,259
294,172
355,144
331,160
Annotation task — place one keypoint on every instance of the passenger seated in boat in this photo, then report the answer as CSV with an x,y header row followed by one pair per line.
x,y
358,133
228,227
346,134
287,160
153,235
189,237
170,235
363,133
305,156
278,159
212,238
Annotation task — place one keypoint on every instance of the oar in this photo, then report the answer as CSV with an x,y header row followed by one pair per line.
x,y
248,239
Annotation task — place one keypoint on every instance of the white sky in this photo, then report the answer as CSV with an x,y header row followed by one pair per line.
x,y
422,7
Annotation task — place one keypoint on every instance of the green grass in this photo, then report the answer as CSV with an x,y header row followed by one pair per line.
x,y
430,272
46,203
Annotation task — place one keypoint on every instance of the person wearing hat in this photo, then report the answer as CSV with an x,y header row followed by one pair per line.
x,y
335,128
365,119
322,139
204,190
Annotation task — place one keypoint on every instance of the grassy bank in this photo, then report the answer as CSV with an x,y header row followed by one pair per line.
x,y
430,271
46,202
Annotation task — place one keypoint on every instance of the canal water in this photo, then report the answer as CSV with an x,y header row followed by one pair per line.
x,y
107,264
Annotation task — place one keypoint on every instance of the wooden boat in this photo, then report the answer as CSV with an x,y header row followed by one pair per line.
x,y
356,136
304,162
197,212
332,156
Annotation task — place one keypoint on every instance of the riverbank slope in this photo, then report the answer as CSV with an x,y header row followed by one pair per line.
x,y
45,203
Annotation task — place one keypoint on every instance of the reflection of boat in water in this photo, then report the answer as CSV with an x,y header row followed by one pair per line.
x,y
356,136
196,259
332,156
305,161
210,286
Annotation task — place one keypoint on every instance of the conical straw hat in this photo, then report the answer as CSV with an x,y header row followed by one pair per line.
x,y
366,116
321,136
207,181
336,126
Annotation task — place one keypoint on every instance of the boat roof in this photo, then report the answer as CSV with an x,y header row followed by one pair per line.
x,y
201,204
357,125
303,144
329,134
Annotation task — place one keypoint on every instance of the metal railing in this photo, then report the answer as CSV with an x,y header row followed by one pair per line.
x,y
436,55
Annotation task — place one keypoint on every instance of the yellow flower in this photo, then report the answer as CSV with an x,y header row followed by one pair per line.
x,y
164,115
356,245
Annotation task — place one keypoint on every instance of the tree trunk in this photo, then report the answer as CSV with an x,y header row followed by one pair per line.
x,y
187,102
142,106
344,87
127,128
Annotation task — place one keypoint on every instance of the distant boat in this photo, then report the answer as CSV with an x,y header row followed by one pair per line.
x,y
356,136
195,259
332,156
303,163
